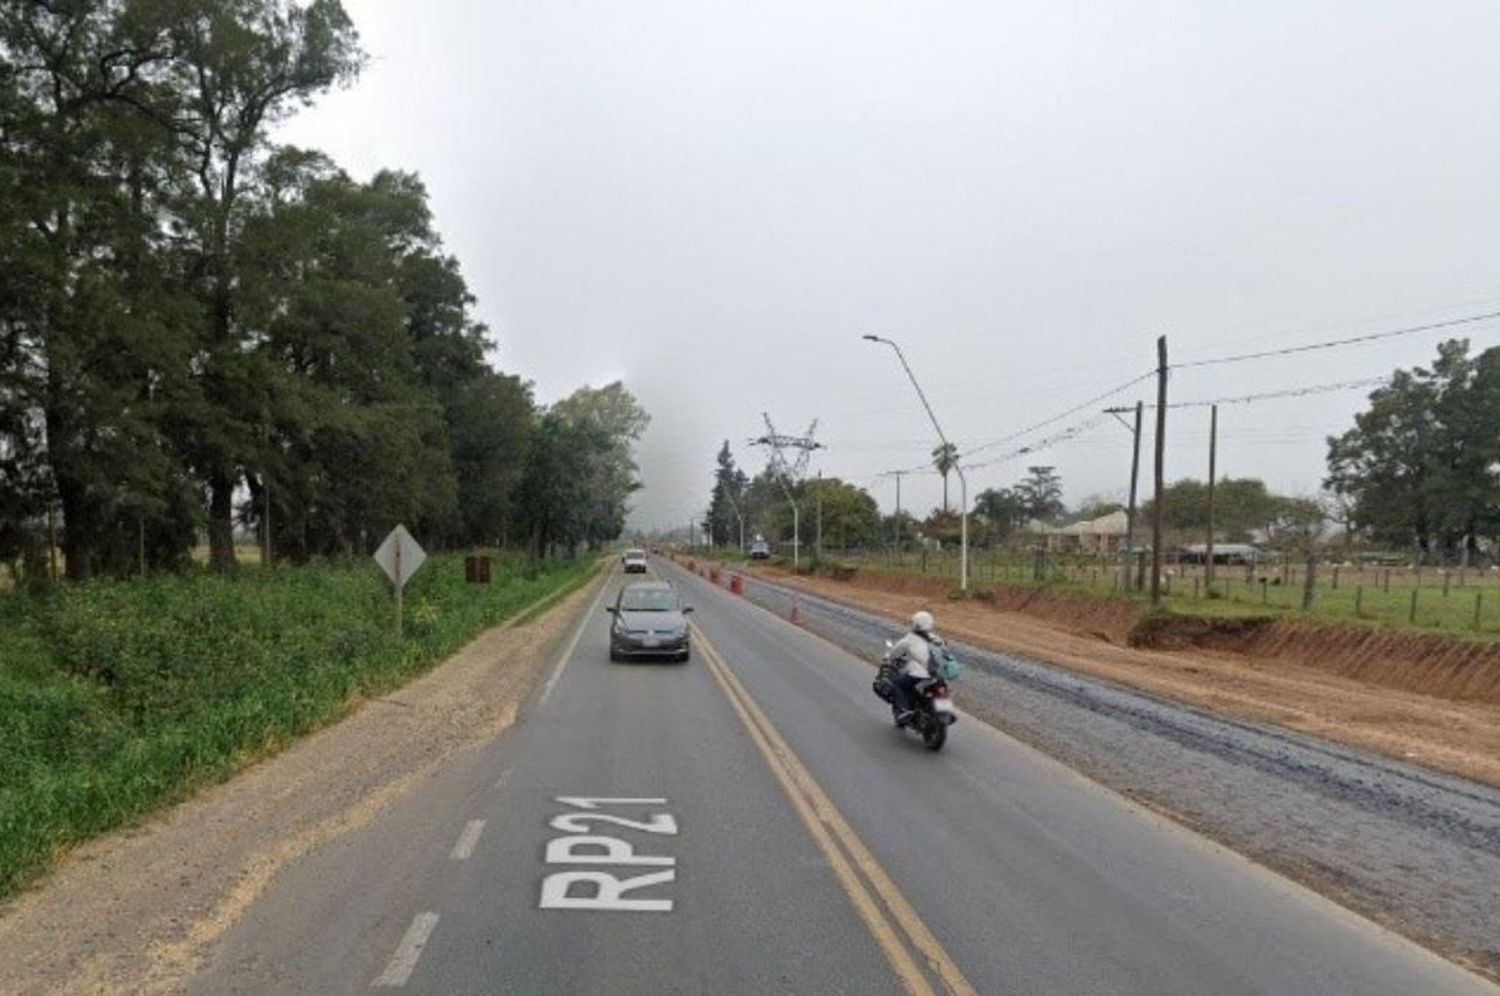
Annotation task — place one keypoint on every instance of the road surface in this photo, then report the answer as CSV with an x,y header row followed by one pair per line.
x,y
750,822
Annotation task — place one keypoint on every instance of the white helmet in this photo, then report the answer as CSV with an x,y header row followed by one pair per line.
x,y
922,622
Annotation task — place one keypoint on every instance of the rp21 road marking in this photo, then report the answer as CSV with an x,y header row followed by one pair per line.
x,y
584,845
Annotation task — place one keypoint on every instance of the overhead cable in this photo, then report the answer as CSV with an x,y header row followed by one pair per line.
x,y
1334,343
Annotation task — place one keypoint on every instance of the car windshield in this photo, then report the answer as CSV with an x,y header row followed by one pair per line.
x,y
648,600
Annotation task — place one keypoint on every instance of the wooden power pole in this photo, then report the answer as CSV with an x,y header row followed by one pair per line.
x,y
1213,449
1158,508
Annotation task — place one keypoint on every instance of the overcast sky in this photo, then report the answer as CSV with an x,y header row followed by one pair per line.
x,y
712,201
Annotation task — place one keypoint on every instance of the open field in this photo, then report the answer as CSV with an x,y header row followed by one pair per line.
x,y
1458,602
118,697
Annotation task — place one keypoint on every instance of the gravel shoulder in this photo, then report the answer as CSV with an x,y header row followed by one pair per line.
x,y
138,911
1411,847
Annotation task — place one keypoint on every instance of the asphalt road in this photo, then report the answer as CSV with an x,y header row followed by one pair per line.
x,y
781,837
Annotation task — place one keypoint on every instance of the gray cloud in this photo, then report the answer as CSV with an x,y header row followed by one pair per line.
x,y
713,201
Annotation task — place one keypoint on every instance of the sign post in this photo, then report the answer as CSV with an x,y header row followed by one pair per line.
x,y
400,556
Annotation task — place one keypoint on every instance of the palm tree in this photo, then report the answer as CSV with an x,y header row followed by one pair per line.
x,y
945,458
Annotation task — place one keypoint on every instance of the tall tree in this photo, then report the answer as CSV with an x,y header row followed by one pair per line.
x,y
944,459
241,66
1001,511
1041,494
727,502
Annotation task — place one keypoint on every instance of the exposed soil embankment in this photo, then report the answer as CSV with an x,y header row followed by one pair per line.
x,y
1435,706
1425,663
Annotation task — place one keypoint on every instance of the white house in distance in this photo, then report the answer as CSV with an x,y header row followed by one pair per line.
x,y
1105,534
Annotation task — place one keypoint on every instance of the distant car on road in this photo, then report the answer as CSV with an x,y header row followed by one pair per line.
x,y
760,550
650,621
634,561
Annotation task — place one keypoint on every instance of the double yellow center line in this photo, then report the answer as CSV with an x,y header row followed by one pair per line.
x,y
897,928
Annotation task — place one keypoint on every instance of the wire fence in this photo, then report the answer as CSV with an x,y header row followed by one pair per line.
x,y
1452,598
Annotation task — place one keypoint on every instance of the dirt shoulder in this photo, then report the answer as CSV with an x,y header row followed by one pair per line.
x,y
1458,737
136,911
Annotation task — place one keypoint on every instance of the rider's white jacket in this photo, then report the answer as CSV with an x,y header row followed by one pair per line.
x,y
914,654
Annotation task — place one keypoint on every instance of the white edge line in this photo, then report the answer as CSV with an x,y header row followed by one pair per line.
x,y
400,967
562,661
464,846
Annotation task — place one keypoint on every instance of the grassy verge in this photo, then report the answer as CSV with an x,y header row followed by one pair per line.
x,y
117,698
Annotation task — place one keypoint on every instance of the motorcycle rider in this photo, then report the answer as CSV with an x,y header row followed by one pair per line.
x,y
911,655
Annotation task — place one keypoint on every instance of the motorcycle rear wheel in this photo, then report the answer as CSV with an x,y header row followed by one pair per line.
x,y
935,735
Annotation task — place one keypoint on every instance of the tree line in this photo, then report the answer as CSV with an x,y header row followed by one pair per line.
x,y
1420,468
204,332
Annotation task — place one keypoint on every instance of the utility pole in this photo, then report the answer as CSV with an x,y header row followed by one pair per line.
x,y
1213,451
818,550
1135,472
1158,509
899,474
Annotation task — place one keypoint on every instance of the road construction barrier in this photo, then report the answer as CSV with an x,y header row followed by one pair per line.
x,y
737,584
796,614
713,574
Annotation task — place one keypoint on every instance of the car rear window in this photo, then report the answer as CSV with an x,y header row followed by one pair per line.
x,y
648,600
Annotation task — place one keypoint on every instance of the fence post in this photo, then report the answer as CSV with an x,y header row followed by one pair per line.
x,y
1445,584
1478,600
1359,600
1195,587
1335,578
1411,616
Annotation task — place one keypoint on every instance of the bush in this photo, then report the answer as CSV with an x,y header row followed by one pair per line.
x,y
117,697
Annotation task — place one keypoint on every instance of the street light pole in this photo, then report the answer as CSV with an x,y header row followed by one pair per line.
x,y
963,482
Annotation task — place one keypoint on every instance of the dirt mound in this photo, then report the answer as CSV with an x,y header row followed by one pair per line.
x,y
1110,619
1170,632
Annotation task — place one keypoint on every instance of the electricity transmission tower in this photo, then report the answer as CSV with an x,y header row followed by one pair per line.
x,y
789,473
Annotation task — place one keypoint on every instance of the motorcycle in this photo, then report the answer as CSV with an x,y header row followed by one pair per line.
x,y
932,700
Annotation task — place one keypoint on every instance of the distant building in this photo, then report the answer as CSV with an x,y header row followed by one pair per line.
x,y
1224,553
1105,534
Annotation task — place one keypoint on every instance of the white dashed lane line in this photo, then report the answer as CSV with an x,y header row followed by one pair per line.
x,y
400,967
466,841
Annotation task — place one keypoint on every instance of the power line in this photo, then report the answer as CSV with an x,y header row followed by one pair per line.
x,y
1060,415
1063,436
1291,392
1334,343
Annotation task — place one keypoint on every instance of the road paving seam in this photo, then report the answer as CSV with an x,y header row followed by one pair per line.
x,y
829,830
464,847
404,961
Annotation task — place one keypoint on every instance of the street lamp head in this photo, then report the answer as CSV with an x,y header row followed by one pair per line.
x,y
873,338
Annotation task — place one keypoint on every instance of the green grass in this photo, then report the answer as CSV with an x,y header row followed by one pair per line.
x,y
119,697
